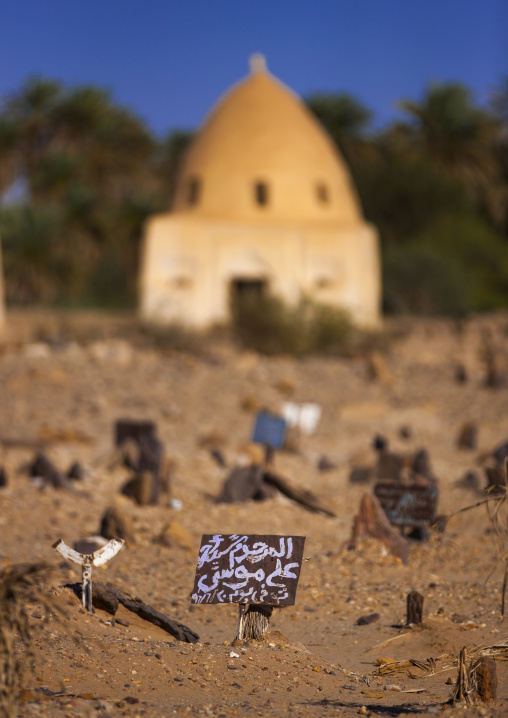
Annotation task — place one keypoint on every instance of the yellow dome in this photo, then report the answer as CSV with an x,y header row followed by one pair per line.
x,y
262,156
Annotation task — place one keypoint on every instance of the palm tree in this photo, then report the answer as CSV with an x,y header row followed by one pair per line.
x,y
459,137
346,120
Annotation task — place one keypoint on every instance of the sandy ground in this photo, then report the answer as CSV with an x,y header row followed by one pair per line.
x,y
66,385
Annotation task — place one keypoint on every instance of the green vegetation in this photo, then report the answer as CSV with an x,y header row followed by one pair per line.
x,y
435,184
268,325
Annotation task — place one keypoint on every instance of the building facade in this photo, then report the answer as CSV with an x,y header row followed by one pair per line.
x,y
264,202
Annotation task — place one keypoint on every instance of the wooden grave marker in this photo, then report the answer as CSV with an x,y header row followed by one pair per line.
x,y
412,505
257,570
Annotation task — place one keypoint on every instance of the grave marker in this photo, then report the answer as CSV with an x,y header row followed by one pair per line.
x,y
408,505
303,416
87,560
254,569
270,430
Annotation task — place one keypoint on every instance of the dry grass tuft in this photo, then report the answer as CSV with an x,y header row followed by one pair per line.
x,y
21,586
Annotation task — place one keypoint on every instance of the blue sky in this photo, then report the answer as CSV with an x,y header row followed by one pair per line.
x,y
170,61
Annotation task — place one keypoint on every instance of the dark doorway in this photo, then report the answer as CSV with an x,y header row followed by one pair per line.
x,y
247,289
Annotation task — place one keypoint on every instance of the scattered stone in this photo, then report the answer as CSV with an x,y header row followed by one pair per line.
x,y
380,443
43,469
173,535
365,620
421,465
470,480
496,479
500,453
242,484
139,488
116,524
467,439
279,639
460,373
324,464
377,369
250,404
218,456
496,367
285,386
390,465
76,472
212,439
361,474
405,432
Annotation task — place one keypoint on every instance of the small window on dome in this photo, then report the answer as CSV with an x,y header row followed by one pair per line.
x,y
322,193
261,193
193,191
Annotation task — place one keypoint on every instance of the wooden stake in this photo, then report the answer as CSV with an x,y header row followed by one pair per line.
x,y
254,623
486,679
414,608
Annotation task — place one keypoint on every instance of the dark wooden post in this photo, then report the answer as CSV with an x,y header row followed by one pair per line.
x,y
414,608
253,622
486,679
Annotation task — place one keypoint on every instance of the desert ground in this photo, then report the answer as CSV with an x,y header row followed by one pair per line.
x,y
66,381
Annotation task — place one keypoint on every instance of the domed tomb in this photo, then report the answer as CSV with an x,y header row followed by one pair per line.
x,y
263,199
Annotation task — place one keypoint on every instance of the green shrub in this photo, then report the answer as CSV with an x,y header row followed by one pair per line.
x,y
270,326
455,266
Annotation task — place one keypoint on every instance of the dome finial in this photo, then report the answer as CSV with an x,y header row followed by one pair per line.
x,y
257,63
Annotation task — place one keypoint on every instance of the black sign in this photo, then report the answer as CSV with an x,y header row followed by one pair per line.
x,y
408,505
269,430
248,569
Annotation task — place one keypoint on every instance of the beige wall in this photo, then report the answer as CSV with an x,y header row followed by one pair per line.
x,y
189,265
2,296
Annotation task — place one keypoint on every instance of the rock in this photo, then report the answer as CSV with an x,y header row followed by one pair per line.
x,y
218,456
44,469
139,488
496,367
76,472
324,464
372,521
286,386
496,479
468,436
212,439
470,480
3,478
116,524
250,403
421,465
390,465
242,484
460,373
365,620
279,639
175,535
405,432
361,474
500,453
380,443
377,369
